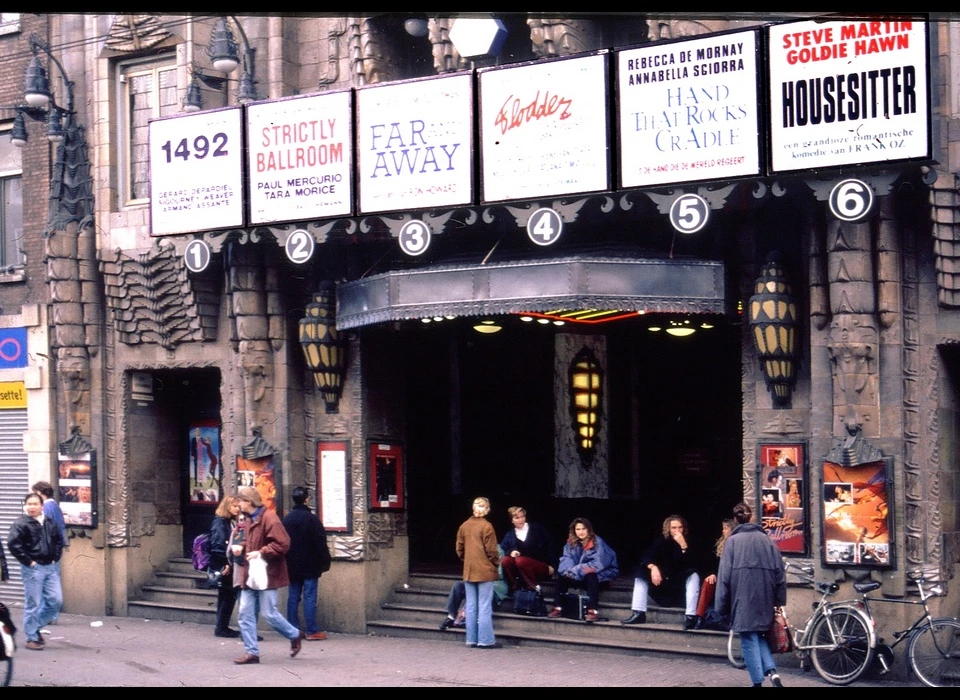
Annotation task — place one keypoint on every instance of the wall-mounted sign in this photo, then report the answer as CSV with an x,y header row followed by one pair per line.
x,y
13,395
544,226
544,128
13,347
784,492
196,256
300,158
414,238
847,92
77,483
857,518
299,246
196,172
689,213
851,200
386,476
689,110
415,144
333,486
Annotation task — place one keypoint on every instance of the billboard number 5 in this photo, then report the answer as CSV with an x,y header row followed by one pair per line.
x,y
851,200
689,213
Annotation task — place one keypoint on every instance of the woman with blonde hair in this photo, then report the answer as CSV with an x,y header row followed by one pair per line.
x,y
224,520
528,552
477,549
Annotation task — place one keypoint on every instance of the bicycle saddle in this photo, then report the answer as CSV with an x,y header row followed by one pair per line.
x,y
866,586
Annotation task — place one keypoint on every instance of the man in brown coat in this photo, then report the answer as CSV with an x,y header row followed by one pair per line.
x,y
477,549
264,537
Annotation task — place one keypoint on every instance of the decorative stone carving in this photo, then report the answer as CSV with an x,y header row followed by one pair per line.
x,y
945,205
663,28
135,32
153,298
562,37
371,52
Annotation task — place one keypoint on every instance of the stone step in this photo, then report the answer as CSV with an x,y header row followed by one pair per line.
x,y
172,612
188,596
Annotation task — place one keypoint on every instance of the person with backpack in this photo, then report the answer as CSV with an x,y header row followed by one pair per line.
x,y
307,559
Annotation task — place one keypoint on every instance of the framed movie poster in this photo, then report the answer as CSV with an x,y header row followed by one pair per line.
x,y
77,485
386,476
857,523
783,496
205,480
333,485
261,474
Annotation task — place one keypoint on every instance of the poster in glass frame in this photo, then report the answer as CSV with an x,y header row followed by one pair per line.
x,y
857,520
205,475
261,474
77,488
386,475
333,486
783,498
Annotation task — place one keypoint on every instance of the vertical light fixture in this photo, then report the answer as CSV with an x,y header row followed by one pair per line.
x,y
586,386
773,317
323,346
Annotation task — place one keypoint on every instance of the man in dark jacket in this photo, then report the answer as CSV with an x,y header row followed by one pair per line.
x,y
668,572
36,543
750,583
307,558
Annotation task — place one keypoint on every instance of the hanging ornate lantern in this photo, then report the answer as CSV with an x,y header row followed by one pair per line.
x,y
773,317
586,384
323,346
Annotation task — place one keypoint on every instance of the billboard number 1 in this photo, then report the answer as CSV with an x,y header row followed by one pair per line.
x,y
197,255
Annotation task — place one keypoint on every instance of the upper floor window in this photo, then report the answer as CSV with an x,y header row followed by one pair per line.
x,y
11,204
9,22
148,89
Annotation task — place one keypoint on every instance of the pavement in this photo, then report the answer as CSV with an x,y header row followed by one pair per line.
x,y
83,651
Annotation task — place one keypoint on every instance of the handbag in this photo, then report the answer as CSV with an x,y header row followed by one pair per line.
x,y
214,577
257,574
778,637
529,603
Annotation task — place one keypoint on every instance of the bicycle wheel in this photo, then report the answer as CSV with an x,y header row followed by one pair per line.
x,y
841,646
734,652
934,653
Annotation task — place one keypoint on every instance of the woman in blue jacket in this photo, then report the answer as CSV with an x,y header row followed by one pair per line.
x,y
587,561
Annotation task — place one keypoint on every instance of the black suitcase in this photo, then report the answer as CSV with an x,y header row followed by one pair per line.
x,y
573,606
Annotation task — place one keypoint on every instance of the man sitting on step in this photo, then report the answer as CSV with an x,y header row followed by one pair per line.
x,y
670,566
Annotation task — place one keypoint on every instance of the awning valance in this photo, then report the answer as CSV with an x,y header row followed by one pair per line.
x,y
629,284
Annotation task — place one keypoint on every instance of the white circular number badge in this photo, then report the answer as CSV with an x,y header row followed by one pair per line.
x,y
197,255
851,200
414,237
689,213
544,226
300,246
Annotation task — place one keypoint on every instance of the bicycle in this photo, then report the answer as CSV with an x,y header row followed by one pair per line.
x,y
840,637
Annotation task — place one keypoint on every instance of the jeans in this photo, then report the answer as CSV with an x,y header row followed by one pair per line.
x,y
308,589
267,602
458,593
757,656
43,597
479,612
641,589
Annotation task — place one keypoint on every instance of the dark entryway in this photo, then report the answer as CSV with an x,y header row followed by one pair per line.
x,y
480,421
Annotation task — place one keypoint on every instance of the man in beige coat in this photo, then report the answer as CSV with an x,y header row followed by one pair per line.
x,y
477,549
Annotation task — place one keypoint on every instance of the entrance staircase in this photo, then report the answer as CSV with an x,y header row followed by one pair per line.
x,y
417,609
174,594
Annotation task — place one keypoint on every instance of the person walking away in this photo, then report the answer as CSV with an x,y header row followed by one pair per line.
x,y
263,537
751,582
477,549
307,559
35,541
225,518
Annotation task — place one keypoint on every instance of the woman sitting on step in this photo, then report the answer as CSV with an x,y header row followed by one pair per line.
x,y
587,561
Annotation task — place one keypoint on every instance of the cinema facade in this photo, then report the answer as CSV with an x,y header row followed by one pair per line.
x,y
612,269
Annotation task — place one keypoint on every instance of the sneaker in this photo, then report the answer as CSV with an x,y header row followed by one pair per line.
x,y
590,616
36,646
775,679
555,612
